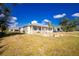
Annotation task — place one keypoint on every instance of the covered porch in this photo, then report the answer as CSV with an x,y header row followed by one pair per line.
x,y
40,29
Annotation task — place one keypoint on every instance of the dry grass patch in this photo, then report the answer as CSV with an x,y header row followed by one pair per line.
x,y
24,45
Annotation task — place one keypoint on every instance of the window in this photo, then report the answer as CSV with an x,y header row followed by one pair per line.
x,y
40,28
34,28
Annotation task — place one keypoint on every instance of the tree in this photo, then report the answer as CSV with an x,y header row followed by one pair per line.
x,y
5,11
47,22
5,14
50,25
76,23
64,24
68,24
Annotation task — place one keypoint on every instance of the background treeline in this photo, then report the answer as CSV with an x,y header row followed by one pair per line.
x,y
69,24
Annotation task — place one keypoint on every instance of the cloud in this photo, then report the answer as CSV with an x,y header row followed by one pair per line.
x,y
59,15
14,25
46,20
14,18
34,22
12,22
75,14
2,15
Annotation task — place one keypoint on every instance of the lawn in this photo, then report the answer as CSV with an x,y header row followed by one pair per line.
x,y
36,45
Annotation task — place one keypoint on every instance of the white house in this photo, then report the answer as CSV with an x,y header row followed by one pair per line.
x,y
37,28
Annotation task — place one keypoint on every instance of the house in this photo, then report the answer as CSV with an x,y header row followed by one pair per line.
x,y
13,30
36,28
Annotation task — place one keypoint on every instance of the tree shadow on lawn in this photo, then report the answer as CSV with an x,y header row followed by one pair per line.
x,y
10,34
3,48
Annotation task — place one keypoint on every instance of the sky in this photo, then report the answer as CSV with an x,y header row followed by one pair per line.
x,y
28,12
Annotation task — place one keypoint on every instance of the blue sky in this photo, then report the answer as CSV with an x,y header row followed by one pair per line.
x,y
28,12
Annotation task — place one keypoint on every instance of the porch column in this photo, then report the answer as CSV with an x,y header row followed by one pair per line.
x,y
31,29
37,28
52,29
41,29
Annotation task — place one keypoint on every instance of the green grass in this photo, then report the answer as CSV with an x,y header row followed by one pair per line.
x,y
35,45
